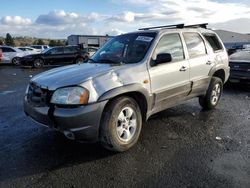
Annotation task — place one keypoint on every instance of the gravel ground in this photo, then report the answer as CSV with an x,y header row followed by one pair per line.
x,y
179,147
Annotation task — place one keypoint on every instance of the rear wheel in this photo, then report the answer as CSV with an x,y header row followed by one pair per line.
x,y
38,63
79,60
15,61
121,124
213,94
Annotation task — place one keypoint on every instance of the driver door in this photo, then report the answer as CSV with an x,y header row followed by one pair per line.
x,y
54,56
170,81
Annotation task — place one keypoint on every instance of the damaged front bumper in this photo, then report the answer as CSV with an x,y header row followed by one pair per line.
x,y
79,123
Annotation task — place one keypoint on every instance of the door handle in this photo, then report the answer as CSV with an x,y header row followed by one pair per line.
x,y
183,68
208,63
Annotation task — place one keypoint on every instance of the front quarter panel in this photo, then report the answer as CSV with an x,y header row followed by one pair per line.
x,y
117,78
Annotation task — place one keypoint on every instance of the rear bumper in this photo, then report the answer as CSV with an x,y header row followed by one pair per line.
x,y
81,123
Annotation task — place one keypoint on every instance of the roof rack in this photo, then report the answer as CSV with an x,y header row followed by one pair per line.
x,y
164,26
178,26
202,25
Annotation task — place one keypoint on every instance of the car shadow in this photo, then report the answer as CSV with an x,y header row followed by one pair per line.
x,y
46,152
237,87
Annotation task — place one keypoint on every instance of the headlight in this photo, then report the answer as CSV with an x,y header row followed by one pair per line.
x,y
27,89
70,96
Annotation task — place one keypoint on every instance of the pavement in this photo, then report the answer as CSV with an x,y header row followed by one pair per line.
x,y
183,146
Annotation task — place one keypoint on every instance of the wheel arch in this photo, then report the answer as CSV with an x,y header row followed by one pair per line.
x,y
219,72
136,92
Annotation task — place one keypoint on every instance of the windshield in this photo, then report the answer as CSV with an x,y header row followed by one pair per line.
x,y
46,50
128,48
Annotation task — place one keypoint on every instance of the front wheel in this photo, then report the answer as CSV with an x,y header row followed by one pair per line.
x,y
16,61
213,94
79,60
121,124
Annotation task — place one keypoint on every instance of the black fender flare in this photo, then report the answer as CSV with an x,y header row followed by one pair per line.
x,y
128,89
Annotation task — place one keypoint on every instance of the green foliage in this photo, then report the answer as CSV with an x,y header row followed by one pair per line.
x,y
9,41
56,43
40,42
1,42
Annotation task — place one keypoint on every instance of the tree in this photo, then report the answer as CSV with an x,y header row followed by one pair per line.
x,y
9,41
1,42
52,43
40,42
59,43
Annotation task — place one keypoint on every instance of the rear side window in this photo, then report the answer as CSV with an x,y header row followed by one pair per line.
x,y
69,50
37,47
213,41
171,43
4,49
195,45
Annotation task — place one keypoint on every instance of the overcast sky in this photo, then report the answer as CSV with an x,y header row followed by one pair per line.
x,y
61,18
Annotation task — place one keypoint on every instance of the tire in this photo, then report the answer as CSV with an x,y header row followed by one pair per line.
x,y
86,58
38,63
121,124
213,94
15,61
79,60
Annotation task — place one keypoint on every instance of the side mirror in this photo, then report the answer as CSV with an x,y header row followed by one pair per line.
x,y
162,58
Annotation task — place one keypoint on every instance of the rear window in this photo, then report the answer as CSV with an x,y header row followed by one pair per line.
x,y
213,41
70,49
37,47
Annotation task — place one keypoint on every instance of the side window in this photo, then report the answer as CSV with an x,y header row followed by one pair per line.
x,y
4,49
70,50
171,43
195,45
213,41
56,51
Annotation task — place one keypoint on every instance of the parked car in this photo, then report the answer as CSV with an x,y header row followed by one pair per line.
x,y
29,50
1,55
56,56
130,78
40,48
240,66
11,55
91,50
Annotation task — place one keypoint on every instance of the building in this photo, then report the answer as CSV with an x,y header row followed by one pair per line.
x,y
233,40
88,40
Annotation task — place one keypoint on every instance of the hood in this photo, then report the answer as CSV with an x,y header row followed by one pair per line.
x,y
71,75
241,56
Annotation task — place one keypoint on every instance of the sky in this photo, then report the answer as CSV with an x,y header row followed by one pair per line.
x,y
61,18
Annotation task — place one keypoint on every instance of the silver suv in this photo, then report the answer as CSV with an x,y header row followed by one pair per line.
x,y
132,77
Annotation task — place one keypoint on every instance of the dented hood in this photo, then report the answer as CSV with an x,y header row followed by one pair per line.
x,y
71,75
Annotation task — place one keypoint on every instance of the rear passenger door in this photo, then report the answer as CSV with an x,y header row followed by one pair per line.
x,y
170,81
70,54
199,60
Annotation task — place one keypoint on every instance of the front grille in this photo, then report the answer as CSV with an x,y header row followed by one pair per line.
x,y
38,96
239,66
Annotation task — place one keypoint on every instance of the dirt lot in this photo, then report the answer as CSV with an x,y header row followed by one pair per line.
x,y
180,147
